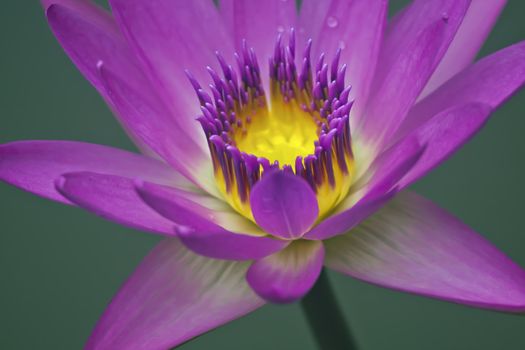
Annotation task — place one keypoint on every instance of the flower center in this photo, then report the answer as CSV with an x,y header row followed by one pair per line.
x,y
302,127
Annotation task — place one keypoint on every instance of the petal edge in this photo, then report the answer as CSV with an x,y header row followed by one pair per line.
x,y
289,274
416,247
172,297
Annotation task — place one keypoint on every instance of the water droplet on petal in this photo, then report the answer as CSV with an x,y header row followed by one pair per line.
x,y
280,29
332,22
445,16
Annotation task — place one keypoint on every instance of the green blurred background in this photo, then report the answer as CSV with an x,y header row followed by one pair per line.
x,y
60,266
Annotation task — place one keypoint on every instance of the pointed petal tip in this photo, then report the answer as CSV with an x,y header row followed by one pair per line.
x,y
46,4
60,182
35,165
113,198
184,231
139,185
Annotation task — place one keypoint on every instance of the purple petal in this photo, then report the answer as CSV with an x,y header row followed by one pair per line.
x,y
476,26
356,27
413,47
209,226
394,163
113,198
170,36
154,125
412,245
172,297
259,22
35,165
289,274
490,81
445,134
284,205
89,35
388,169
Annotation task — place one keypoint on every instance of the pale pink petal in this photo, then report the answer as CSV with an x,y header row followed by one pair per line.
x,y
413,246
172,297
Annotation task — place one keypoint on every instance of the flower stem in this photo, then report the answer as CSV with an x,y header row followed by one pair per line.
x,y
325,317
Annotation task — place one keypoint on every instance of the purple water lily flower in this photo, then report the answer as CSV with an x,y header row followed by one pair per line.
x,y
276,141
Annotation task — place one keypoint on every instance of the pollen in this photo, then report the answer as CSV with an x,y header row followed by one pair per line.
x,y
302,125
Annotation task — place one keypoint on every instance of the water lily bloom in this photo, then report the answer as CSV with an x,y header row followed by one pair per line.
x,y
275,141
